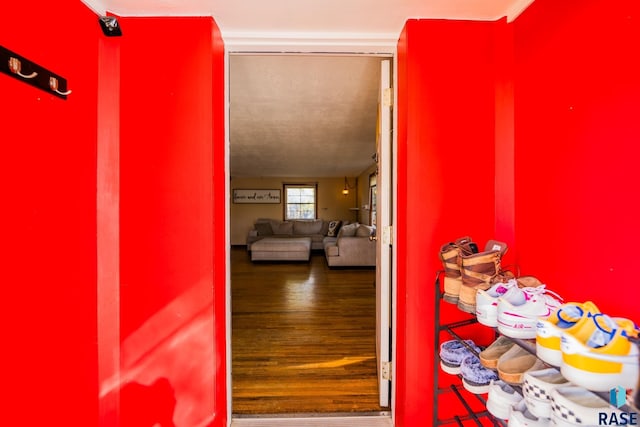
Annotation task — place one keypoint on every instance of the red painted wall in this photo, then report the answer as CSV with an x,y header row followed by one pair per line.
x,y
577,85
446,171
48,264
562,188
554,91
170,75
220,202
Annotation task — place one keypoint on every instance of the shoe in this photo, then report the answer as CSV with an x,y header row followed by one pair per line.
x,y
636,395
490,355
537,389
450,254
528,282
517,319
513,364
576,406
478,270
487,300
606,358
520,416
501,396
475,377
453,352
571,318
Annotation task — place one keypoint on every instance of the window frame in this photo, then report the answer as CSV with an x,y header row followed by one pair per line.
x,y
285,204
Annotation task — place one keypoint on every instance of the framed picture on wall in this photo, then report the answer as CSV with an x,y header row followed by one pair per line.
x,y
256,196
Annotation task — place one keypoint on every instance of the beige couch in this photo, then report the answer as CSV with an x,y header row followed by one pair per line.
x,y
353,247
315,229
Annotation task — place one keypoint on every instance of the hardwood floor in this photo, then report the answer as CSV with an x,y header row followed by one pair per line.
x,y
303,337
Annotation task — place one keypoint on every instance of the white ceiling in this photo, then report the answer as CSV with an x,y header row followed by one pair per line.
x,y
307,115
302,115
315,16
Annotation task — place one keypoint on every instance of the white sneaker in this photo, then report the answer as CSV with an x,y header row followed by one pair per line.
x,y
577,406
537,389
518,320
520,416
500,399
487,302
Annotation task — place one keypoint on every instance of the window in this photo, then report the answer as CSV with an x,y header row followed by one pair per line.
x,y
300,201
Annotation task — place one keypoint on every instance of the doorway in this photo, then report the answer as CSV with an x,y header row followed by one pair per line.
x,y
241,220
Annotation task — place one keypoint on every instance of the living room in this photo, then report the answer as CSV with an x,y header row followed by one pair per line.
x,y
302,121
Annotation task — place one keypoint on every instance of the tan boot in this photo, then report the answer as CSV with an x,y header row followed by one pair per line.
x,y
450,255
479,271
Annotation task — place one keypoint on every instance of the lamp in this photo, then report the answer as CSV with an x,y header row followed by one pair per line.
x,y
347,187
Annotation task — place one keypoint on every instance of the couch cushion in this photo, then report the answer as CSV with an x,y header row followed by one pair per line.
x,y
348,230
307,227
264,228
328,241
282,227
331,250
364,231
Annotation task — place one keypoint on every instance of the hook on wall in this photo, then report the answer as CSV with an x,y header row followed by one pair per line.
x,y
15,65
53,84
33,74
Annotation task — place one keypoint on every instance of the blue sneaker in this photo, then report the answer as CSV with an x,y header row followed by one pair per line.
x,y
453,352
475,377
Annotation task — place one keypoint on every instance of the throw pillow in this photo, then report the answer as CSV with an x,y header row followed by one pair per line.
x,y
348,230
264,229
364,231
334,226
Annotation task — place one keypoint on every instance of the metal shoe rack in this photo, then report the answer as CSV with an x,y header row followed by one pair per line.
x,y
480,418
603,395
461,393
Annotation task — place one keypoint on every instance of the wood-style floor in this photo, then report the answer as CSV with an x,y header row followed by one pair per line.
x,y
303,337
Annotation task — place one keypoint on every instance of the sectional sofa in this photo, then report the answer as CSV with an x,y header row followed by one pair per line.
x,y
344,244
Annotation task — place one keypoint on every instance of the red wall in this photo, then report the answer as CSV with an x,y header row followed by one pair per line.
x,y
446,172
525,132
577,85
48,266
171,72
562,189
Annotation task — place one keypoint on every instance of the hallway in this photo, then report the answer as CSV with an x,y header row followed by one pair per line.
x,y
303,337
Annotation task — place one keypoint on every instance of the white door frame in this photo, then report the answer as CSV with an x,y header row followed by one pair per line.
x,y
384,47
384,226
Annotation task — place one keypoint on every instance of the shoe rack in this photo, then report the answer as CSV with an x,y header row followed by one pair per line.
x,y
463,395
603,395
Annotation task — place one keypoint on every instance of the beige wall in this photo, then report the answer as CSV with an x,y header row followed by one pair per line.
x,y
332,204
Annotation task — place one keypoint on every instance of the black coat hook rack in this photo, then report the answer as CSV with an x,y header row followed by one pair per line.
x,y
31,73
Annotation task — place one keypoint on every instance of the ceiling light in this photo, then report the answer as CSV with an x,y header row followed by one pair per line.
x,y
345,190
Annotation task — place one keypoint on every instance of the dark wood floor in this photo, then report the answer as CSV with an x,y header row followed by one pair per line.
x,y
303,337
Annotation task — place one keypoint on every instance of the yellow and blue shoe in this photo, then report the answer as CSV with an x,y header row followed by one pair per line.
x,y
606,358
572,318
